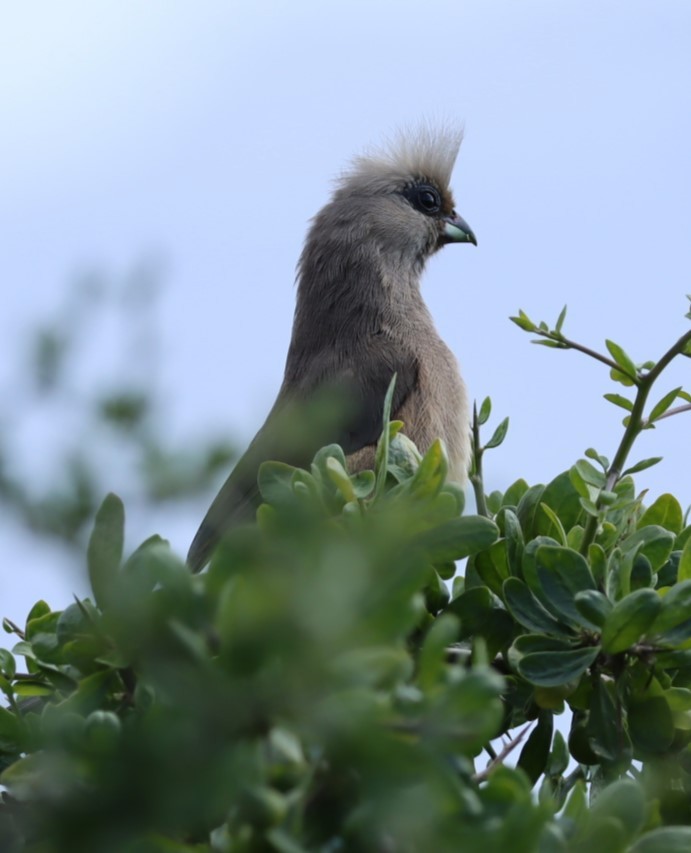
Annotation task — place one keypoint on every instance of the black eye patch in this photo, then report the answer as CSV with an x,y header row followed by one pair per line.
x,y
425,198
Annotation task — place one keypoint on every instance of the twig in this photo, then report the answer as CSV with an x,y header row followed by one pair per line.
x,y
502,756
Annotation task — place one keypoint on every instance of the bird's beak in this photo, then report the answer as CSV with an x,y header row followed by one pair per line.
x,y
457,230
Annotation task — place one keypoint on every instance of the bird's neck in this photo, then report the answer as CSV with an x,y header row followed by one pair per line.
x,y
350,295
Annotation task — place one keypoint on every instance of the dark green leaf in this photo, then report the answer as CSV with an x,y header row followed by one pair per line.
x,y
642,465
492,566
561,496
535,752
485,411
653,541
630,619
499,434
552,669
651,725
514,493
562,573
673,623
593,605
605,728
527,610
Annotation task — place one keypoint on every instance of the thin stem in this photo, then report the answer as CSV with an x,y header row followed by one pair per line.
x,y
676,411
476,477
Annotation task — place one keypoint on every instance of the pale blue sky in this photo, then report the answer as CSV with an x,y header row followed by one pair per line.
x,y
208,134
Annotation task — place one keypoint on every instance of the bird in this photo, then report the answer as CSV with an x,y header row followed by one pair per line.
x,y
359,319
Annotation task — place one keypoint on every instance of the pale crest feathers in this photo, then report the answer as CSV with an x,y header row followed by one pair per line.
x,y
422,153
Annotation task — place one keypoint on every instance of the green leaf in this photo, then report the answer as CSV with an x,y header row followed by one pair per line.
x,y
662,405
275,480
603,461
549,343
560,319
499,435
104,552
554,668
492,565
653,542
458,538
557,526
607,735
514,493
651,725
630,619
623,800
485,411
684,570
527,610
562,573
559,756
673,623
431,663
339,477
590,474
527,508
482,614
642,465
561,496
534,755
593,605
622,359
431,472
618,400
523,322
664,839
381,461
666,512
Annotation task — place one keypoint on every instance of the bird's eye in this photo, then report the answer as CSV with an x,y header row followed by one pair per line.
x,y
424,198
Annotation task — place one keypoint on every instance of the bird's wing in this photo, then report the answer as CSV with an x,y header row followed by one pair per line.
x,y
334,403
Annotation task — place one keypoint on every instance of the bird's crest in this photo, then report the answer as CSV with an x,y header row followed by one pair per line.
x,y
425,152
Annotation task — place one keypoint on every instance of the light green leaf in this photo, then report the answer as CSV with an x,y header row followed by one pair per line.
x,y
642,465
458,538
662,405
665,839
684,570
666,512
618,400
104,551
622,359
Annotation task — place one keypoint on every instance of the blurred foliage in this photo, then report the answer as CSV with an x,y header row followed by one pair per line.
x,y
320,688
113,413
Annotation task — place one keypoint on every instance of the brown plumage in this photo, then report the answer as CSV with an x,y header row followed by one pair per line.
x,y
359,319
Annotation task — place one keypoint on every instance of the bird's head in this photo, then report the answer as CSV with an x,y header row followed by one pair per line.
x,y
399,196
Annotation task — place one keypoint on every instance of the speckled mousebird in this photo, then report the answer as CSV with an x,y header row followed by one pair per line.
x,y
360,318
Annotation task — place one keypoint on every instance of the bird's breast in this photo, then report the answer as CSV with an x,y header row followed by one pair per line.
x,y
437,407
